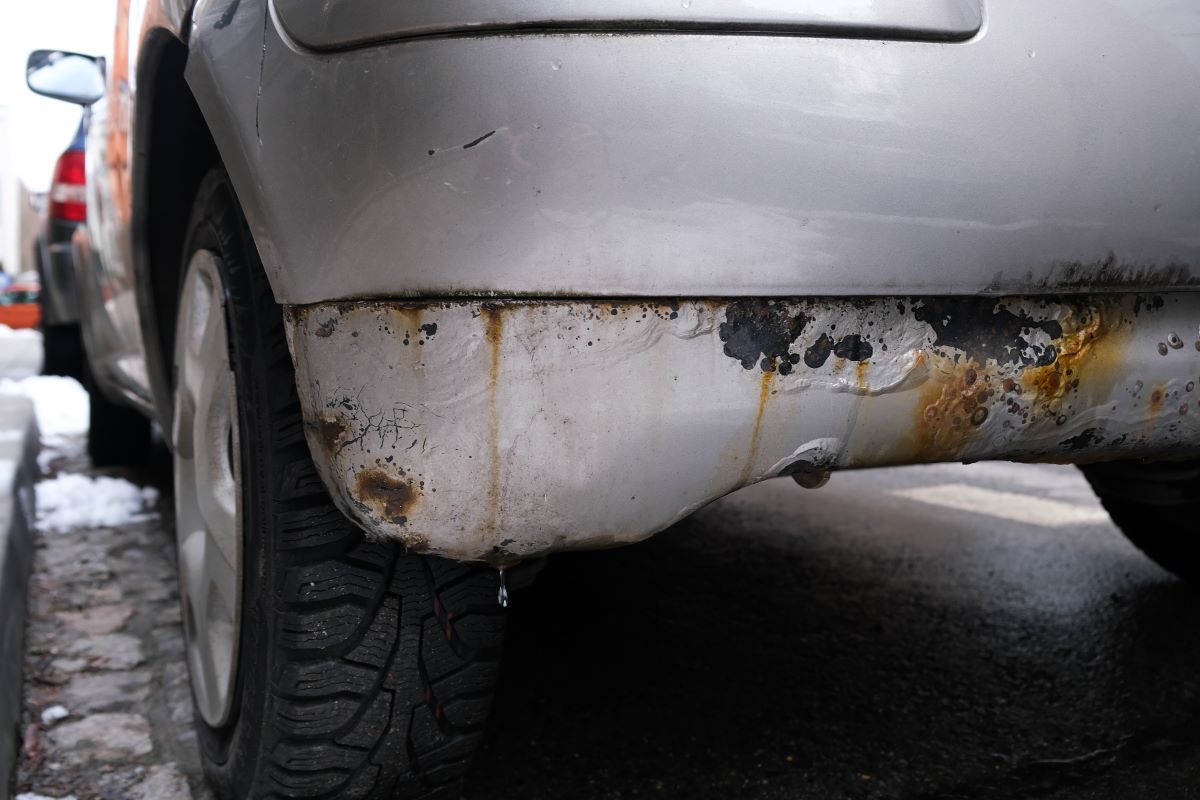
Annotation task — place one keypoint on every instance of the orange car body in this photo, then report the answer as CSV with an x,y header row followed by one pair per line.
x,y
19,306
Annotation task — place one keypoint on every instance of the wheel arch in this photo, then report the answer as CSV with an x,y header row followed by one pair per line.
x,y
173,151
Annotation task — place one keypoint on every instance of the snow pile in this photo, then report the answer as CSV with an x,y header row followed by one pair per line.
x,y
53,714
35,796
78,501
18,333
61,403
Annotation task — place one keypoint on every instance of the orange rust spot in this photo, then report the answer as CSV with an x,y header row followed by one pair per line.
x,y
391,497
860,377
1090,354
960,397
949,410
407,320
764,394
1157,398
410,314
493,322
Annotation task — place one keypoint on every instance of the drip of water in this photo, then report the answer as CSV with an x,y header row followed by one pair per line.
x,y
503,596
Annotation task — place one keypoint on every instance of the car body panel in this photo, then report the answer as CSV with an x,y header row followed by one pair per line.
x,y
504,430
876,187
113,323
19,306
344,23
55,259
110,322
1032,157
56,268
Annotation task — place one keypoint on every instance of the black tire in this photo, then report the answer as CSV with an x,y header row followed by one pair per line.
x,y
363,671
118,435
1156,505
62,351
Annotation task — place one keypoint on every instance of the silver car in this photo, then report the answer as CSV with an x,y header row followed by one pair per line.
x,y
422,292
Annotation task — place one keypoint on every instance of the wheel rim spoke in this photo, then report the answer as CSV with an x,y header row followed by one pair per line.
x,y
207,495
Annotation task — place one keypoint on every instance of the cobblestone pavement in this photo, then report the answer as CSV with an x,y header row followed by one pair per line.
x,y
104,645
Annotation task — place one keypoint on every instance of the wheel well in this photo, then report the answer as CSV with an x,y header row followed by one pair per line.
x,y
174,150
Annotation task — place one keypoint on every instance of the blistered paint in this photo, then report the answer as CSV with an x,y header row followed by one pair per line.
x,y
501,430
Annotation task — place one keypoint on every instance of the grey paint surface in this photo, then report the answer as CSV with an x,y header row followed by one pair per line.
x,y
1055,150
18,471
347,22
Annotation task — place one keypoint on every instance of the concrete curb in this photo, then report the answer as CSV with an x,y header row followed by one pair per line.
x,y
18,473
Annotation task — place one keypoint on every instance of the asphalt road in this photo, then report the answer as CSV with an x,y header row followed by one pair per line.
x,y
857,641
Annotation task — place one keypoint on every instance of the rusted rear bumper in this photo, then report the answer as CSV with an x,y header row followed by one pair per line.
x,y
500,430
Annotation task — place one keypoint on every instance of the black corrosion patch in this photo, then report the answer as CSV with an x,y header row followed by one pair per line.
x,y
1084,440
851,348
429,329
983,329
762,327
818,353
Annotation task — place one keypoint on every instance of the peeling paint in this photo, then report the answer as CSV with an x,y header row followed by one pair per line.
x,y
505,429
984,329
754,328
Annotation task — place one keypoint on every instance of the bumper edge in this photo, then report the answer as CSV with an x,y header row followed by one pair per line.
x,y
502,430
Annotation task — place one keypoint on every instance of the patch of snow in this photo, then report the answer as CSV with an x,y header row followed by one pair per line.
x,y
53,714
18,333
78,501
36,796
61,403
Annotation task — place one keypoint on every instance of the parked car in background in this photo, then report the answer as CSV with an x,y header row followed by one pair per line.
x,y
19,307
423,292
66,210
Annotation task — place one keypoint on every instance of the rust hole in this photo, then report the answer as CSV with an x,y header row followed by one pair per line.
x,y
391,497
332,429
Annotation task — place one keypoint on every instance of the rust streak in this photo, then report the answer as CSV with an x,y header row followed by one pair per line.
x,y
409,317
861,376
764,395
493,320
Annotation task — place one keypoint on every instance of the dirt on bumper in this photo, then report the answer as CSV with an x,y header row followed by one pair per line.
x,y
500,430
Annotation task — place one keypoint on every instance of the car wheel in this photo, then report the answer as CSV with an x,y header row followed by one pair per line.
x,y
322,664
118,435
1155,504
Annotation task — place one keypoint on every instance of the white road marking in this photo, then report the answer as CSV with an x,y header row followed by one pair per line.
x,y
1005,505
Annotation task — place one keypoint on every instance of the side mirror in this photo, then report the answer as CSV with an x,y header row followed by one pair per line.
x,y
72,77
